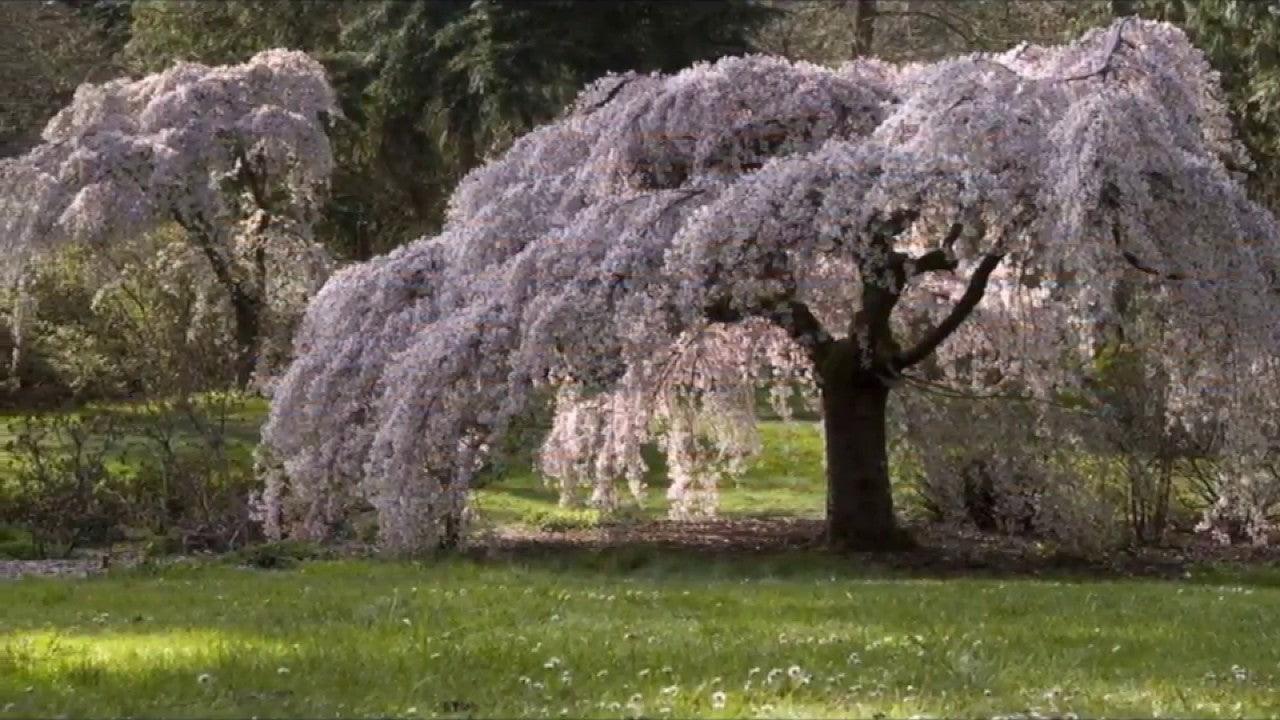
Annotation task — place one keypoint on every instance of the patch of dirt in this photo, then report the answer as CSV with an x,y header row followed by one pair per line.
x,y
944,551
730,536
83,564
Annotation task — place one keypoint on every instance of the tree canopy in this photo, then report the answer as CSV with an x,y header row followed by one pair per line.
x,y
972,220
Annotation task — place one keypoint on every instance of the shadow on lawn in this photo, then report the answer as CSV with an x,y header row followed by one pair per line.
x,y
780,548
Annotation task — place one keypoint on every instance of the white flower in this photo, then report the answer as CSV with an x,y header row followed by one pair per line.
x,y
204,678
718,699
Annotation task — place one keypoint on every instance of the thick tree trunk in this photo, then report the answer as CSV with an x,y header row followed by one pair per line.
x,y
859,497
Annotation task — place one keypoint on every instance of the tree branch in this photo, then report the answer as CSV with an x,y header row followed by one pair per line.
x,y
972,296
613,93
940,259
791,315
967,37
1112,45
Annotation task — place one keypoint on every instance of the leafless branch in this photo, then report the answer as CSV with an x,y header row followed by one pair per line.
x,y
972,296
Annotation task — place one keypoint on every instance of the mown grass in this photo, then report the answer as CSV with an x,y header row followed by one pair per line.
x,y
637,632
633,634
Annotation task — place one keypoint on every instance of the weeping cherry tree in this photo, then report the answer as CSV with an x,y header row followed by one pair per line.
x,y
235,155
673,243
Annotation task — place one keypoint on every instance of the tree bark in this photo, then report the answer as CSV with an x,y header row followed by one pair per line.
x,y
864,27
248,329
246,302
859,495
1122,8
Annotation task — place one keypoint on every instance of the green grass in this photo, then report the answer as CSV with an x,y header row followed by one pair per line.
x,y
636,631
785,480
585,634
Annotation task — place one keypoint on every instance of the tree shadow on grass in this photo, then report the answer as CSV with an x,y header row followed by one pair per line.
x,y
789,547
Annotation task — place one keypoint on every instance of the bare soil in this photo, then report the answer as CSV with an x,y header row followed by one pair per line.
x,y
944,551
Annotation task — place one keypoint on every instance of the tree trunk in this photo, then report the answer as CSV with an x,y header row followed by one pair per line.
x,y
864,27
248,330
859,496
24,307
247,338
246,303
1122,8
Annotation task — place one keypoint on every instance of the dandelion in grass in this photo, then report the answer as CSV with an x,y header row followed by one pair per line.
x,y
718,699
204,678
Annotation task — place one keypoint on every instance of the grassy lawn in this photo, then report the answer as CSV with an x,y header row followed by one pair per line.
x,y
618,634
636,632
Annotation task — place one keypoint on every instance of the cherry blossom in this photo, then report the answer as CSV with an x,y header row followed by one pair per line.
x,y
674,242
236,155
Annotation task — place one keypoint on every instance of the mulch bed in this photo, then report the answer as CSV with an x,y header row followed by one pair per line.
x,y
943,551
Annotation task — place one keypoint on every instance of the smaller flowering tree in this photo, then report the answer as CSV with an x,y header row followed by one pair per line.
x,y
236,155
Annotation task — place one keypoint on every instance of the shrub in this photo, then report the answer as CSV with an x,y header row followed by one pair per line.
x,y
194,480
278,555
62,492
561,519
17,544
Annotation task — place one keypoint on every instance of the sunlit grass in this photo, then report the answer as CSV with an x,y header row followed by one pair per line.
x,y
637,632
800,635
784,480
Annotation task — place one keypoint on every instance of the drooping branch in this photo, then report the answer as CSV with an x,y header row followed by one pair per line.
x,y
791,315
972,296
